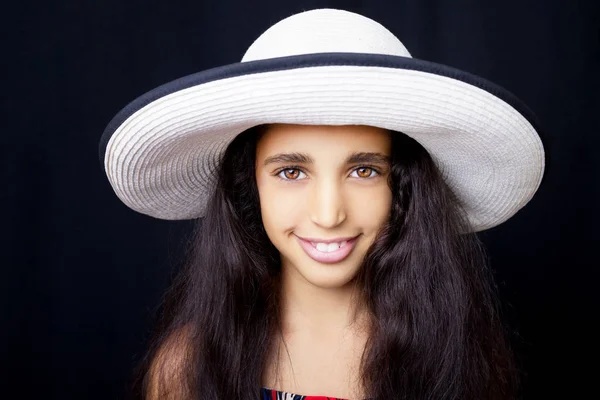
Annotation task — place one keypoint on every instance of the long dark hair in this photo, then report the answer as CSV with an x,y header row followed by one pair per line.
x,y
436,330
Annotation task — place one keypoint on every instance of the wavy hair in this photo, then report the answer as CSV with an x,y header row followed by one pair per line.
x,y
436,332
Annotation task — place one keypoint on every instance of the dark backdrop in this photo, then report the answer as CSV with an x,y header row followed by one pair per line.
x,y
82,274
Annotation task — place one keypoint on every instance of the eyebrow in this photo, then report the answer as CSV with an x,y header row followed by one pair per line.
x,y
354,158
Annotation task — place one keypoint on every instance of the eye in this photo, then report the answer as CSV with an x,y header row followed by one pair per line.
x,y
291,174
364,172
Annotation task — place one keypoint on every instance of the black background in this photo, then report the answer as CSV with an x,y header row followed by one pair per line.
x,y
82,274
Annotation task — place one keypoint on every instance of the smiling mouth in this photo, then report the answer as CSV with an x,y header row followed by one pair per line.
x,y
328,251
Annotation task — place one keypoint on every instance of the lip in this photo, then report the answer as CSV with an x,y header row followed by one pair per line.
x,y
327,258
338,240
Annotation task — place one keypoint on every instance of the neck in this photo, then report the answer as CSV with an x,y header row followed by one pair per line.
x,y
327,310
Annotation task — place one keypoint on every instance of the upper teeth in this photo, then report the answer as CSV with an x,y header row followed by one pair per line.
x,y
329,247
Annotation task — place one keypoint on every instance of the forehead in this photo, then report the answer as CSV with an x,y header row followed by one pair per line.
x,y
326,139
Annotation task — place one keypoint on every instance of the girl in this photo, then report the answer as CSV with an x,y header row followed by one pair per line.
x,y
341,183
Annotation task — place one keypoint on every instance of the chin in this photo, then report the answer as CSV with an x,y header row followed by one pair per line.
x,y
328,276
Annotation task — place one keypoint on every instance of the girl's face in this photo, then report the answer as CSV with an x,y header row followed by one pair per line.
x,y
324,195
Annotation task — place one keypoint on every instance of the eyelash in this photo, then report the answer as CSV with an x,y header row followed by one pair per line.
x,y
293,167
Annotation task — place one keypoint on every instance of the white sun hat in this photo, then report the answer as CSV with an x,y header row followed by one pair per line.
x,y
325,67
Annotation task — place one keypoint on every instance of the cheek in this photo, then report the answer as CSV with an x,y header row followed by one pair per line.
x,y
371,208
280,208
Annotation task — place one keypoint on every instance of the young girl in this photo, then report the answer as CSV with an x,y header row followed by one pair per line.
x,y
340,184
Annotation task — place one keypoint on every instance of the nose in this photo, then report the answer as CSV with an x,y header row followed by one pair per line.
x,y
326,204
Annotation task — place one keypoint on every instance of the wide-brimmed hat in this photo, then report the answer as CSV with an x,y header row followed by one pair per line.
x,y
325,67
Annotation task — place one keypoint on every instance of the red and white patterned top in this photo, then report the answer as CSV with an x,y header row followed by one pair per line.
x,y
272,394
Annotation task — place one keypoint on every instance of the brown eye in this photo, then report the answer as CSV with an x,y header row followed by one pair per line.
x,y
365,172
291,174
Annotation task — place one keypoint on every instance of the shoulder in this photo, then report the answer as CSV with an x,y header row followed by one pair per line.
x,y
169,370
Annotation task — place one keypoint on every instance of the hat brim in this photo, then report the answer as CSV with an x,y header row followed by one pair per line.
x,y
161,152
